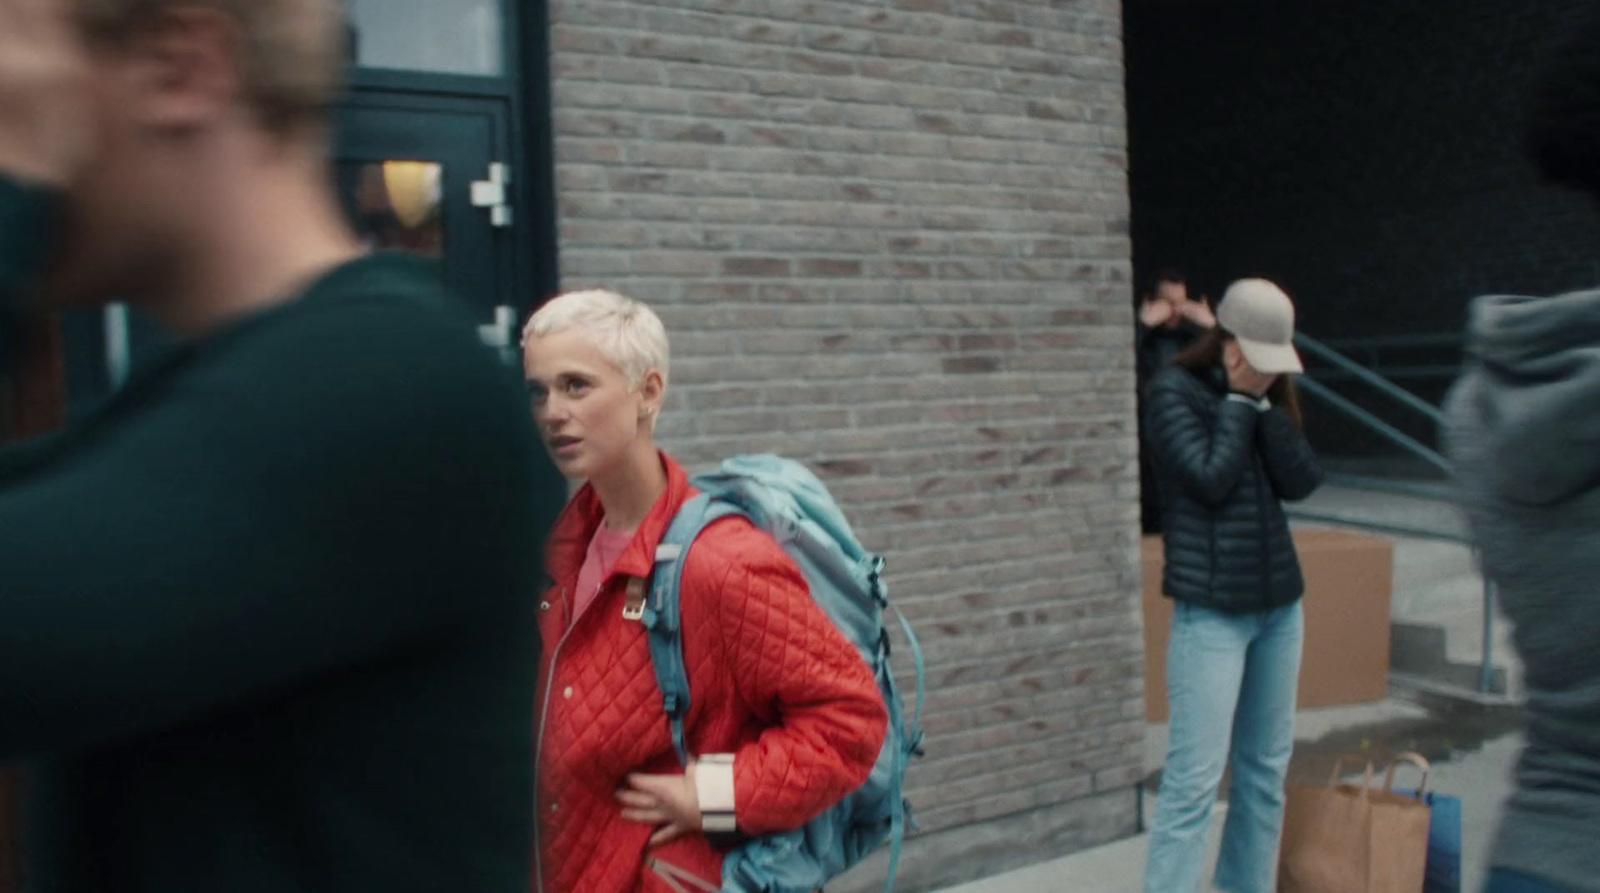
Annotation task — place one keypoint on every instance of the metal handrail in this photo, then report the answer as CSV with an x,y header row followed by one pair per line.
x,y
1376,425
1366,376
1373,349
1401,530
1435,492
1379,342
1406,373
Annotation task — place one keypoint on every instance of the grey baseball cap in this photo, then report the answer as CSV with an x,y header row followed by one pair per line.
x,y
1261,316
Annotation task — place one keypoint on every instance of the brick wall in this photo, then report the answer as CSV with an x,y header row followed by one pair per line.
x,y
891,239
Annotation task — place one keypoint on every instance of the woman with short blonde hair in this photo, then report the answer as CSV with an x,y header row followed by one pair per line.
x,y
785,715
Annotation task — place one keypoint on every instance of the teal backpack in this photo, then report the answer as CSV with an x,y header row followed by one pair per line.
x,y
787,501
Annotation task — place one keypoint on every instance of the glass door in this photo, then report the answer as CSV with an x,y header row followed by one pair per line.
x,y
428,176
431,176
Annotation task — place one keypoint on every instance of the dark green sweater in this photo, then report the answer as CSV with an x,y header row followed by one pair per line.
x,y
266,620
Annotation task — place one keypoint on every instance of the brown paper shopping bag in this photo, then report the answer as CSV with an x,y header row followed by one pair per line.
x,y
1344,838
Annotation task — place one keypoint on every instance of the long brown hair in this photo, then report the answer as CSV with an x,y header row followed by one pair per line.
x,y
1206,354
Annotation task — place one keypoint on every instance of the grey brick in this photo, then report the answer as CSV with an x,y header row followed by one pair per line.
x,y
782,83
700,77
674,264
859,89
827,64
761,267
568,68
682,131
698,49
566,39
582,151
860,143
748,31
605,233
899,71
662,154
591,264
743,159
877,117
740,106
806,239
601,95
838,40
898,46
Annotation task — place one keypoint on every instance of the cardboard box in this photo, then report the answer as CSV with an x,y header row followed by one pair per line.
x,y
1349,583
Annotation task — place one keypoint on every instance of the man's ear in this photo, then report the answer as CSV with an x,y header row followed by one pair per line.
x,y
184,67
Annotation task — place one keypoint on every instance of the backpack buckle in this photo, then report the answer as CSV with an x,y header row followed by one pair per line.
x,y
874,568
633,609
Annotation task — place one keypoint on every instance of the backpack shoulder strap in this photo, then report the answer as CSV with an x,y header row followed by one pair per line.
x,y
663,616
914,728
899,817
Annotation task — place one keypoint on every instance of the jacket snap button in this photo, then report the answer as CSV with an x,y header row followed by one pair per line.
x,y
544,606
555,807
567,693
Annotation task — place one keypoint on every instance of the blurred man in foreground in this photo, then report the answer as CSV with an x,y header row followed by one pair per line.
x,y
1525,437
266,619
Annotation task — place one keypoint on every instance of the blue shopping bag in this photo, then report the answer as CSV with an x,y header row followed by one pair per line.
x,y
1444,842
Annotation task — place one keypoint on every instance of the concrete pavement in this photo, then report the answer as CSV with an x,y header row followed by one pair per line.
x,y
1479,773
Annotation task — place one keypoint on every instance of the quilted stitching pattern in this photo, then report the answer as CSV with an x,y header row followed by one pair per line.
x,y
1224,469
771,681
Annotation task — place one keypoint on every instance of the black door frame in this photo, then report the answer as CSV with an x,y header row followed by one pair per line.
x,y
526,88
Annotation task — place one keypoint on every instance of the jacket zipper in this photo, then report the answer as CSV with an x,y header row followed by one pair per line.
x,y
538,754
1266,545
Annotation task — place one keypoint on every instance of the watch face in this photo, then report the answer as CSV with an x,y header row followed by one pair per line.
x,y
719,823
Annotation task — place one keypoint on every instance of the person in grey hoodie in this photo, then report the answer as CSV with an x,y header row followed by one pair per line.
x,y
1525,439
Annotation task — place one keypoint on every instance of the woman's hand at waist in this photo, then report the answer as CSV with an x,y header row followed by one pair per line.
x,y
671,803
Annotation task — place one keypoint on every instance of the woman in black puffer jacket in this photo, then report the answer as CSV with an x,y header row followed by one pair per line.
x,y
1223,424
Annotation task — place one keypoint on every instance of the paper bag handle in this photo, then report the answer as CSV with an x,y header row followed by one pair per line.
x,y
1414,759
1338,772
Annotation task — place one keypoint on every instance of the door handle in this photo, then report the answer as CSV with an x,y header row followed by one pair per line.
x,y
492,194
500,335
499,332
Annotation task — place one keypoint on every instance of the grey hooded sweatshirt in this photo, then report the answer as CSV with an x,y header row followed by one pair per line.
x,y
1525,438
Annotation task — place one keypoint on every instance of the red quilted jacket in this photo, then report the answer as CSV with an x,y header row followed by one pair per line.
x,y
771,681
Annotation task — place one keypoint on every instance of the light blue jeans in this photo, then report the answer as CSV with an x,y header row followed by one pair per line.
x,y
1231,683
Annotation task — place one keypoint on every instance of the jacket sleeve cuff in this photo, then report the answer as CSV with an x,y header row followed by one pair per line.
x,y
1261,404
714,785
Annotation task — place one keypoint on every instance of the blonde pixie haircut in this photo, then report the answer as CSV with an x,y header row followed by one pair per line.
x,y
626,331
